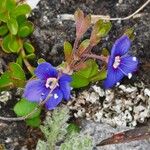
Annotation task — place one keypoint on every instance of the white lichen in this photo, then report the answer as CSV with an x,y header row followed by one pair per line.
x,y
125,106
5,96
99,90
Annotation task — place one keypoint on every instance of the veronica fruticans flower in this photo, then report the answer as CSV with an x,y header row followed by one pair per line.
x,y
48,77
120,63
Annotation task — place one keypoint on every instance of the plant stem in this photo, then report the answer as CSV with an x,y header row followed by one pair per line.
x,y
76,44
27,64
101,57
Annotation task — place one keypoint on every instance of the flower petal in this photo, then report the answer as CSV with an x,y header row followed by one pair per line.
x,y
54,100
65,77
128,64
66,89
35,91
110,62
121,46
113,76
45,70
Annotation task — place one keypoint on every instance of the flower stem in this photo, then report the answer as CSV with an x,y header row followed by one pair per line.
x,y
71,63
76,44
100,57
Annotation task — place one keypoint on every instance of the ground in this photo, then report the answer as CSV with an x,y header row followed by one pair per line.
x,y
48,40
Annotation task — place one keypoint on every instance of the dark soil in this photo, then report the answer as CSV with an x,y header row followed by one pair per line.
x,y
48,40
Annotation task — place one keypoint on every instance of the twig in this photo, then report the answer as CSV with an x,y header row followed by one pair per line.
x,y
97,17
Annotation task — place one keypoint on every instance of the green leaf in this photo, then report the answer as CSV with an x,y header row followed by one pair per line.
x,y
17,74
25,107
19,60
25,29
105,52
15,44
34,122
4,16
41,60
100,29
5,43
5,81
67,51
3,30
90,73
28,47
21,20
22,9
83,46
90,70
2,5
130,33
11,44
101,75
78,81
105,28
13,77
30,56
10,5
12,26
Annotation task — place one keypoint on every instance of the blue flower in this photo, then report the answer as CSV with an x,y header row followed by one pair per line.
x,y
120,63
38,89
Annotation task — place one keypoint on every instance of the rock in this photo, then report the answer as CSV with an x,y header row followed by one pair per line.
x,y
100,132
125,106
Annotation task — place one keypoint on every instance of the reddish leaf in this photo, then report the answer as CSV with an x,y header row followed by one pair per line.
x,y
83,46
82,23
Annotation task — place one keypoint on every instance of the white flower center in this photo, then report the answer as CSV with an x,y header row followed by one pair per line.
x,y
116,62
51,83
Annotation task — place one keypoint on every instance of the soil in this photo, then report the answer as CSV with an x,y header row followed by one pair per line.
x,y
48,40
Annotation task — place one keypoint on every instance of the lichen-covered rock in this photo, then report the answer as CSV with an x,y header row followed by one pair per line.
x,y
100,132
125,106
